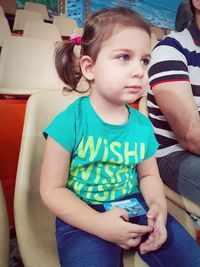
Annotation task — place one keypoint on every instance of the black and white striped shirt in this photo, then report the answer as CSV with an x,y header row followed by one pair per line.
x,y
176,58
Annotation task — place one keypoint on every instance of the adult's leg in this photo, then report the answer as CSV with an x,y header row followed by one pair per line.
x,y
181,172
77,248
180,249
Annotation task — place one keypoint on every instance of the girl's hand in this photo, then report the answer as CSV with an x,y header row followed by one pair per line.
x,y
114,227
159,234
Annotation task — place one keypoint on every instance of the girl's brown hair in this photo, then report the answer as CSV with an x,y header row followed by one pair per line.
x,y
98,28
192,7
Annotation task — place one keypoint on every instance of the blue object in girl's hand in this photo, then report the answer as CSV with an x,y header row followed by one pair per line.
x,y
132,205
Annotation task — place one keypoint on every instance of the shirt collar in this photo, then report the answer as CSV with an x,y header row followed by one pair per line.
x,y
195,32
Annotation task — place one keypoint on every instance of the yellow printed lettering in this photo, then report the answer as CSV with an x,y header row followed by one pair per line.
x,y
109,172
142,150
78,187
102,195
98,173
105,154
112,148
89,145
128,153
73,171
122,169
86,171
89,192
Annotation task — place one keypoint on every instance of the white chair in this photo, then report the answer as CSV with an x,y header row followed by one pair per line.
x,y
36,240
43,31
27,66
159,32
154,40
2,13
4,29
174,197
66,25
40,8
22,16
4,231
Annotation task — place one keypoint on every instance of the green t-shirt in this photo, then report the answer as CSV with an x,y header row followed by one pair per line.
x,y
103,156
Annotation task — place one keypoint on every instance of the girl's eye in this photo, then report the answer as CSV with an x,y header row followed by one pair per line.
x,y
145,61
124,57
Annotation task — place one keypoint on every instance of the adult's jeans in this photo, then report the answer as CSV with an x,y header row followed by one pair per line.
x,y
77,248
181,172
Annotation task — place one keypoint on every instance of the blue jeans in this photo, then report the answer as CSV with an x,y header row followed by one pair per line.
x,y
181,172
77,248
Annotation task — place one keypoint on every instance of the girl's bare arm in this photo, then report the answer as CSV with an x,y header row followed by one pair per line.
x,y
151,184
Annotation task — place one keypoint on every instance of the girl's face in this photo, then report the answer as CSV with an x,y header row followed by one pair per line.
x,y
120,72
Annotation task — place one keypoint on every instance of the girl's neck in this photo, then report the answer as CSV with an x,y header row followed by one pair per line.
x,y
111,113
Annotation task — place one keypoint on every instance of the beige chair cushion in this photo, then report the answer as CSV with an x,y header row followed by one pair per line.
x,y
159,32
22,16
2,14
67,26
34,223
43,31
27,66
5,29
40,8
154,40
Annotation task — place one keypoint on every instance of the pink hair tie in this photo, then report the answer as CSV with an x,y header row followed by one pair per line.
x,y
76,40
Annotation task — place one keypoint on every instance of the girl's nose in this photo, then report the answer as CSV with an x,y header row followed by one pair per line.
x,y
137,70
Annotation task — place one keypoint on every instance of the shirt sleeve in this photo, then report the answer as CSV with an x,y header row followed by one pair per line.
x,y
168,63
61,129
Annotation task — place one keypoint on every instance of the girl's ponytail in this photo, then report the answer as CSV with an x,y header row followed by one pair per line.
x,y
67,65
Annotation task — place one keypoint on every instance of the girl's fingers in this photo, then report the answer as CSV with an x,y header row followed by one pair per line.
x,y
133,242
154,242
151,222
135,235
140,229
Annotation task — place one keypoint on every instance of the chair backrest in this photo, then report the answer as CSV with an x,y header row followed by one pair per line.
x,y
36,240
159,32
177,199
5,29
41,8
66,25
2,14
43,31
22,16
4,231
154,40
27,66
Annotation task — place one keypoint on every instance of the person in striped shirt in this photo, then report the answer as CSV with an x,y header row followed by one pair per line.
x,y
174,107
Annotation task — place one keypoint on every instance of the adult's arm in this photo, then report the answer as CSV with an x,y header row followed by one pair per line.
x,y
177,104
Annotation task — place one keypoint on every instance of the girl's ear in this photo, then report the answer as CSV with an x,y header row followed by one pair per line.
x,y
196,4
87,68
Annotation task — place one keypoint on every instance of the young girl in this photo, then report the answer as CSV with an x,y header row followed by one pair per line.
x,y
99,174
